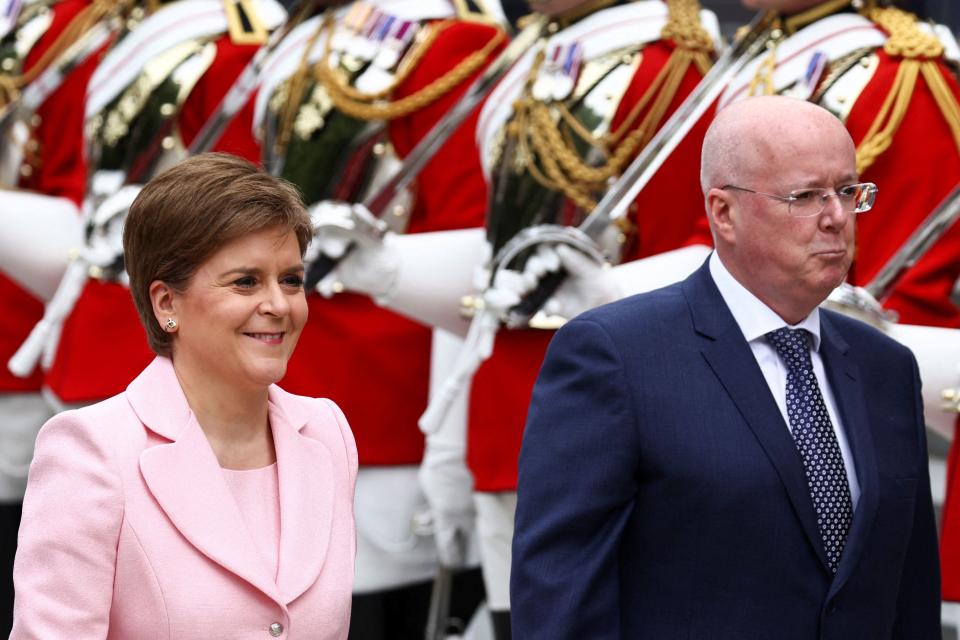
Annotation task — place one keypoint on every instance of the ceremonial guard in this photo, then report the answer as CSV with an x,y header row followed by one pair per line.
x,y
563,123
147,99
48,52
345,98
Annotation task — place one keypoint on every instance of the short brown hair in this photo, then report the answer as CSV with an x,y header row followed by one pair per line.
x,y
188,212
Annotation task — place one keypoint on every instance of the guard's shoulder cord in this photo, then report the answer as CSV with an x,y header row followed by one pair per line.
x,y
12,84
378,105
538,131
918,53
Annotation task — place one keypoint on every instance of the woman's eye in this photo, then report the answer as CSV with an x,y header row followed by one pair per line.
x,y
293,281
245,282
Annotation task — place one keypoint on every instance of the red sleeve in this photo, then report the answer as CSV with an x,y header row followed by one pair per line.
x,y
60,167
237,138
451,192
669,212
914,175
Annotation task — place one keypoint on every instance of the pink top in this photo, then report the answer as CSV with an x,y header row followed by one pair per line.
x,y
257,494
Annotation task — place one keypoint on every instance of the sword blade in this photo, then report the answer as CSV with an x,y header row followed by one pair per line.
x,y
617,199
934,226
247,82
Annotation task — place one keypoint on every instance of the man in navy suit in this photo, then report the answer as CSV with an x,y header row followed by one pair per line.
x,y
721,459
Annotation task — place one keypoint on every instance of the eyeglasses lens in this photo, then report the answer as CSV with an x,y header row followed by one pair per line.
x,y
855,198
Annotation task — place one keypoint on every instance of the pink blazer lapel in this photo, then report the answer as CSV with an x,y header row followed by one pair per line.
x,y
307,491
185,478
187,482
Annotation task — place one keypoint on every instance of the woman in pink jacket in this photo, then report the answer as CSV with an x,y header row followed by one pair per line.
x,y
205,501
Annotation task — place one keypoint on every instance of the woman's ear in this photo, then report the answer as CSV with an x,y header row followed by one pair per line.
x,y
163,299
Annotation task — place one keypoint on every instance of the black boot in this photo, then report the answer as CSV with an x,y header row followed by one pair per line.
x,y
9,525
501,624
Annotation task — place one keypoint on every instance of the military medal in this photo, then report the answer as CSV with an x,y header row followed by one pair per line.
x,y
358,43
368,42
568,72
811,77
395,44
350,24
9,10
347,31
543,85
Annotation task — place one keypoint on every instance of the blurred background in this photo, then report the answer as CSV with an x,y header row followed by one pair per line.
x,y
947,12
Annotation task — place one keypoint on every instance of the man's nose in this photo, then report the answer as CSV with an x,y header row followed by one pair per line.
x,y
834,215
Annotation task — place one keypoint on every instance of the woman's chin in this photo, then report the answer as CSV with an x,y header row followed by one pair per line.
x,y
266,374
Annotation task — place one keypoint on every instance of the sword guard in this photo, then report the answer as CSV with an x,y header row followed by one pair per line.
x,y
520,246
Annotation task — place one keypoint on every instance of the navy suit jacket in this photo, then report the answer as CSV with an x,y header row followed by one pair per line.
x,y
661,495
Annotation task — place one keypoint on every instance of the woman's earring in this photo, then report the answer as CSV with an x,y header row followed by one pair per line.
x,y
170,325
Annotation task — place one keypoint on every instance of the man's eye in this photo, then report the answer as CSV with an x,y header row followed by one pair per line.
x,y
848,192
803,196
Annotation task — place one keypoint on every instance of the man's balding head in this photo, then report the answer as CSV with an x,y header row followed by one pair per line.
x,y
747,136
755,154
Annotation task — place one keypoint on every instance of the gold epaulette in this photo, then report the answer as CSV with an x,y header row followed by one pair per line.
x,y
475,11
244,23
906,39
11,84
918,53
684,27
563,168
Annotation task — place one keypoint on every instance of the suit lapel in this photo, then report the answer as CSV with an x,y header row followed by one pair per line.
x,y
307,487
844,377
732,361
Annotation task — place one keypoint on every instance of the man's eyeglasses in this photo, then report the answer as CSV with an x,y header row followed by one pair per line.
x,y
806,203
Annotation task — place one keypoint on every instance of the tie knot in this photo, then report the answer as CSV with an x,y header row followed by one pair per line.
x,y
793,346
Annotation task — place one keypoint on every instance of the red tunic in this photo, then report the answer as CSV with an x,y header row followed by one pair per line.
x,y
103,345
919,169
60,170
667,212
375,363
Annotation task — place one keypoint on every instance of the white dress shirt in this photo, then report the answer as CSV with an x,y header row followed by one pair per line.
x,y
755,320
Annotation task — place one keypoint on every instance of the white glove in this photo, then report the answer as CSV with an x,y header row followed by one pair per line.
x,y
446,483
588,284
351,234
448,488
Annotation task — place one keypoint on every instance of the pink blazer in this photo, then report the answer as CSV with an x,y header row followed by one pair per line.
x,y
130,530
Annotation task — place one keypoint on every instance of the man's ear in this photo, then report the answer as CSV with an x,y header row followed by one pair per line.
x,y
163,298
721,213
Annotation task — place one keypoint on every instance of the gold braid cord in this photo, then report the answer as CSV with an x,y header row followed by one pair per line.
x,y
12,85
918,52
762,82
298,85
378,106
536,127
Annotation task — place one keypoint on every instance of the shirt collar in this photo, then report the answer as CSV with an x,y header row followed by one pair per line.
x,y
754,318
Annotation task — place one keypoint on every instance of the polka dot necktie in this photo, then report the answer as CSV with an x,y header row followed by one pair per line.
x,y
816,440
